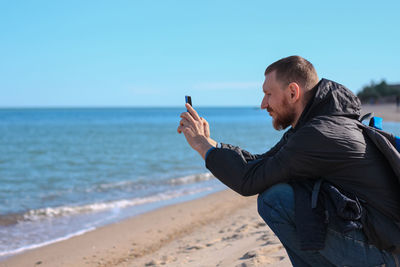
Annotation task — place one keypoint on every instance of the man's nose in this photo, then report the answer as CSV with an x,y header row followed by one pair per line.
x,y
264,103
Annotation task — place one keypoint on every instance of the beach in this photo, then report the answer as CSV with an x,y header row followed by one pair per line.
x,y
386,111
221,229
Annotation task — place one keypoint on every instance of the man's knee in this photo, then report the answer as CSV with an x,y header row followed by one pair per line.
x,y
278,198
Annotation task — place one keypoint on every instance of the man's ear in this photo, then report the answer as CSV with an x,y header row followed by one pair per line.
x,y
294,92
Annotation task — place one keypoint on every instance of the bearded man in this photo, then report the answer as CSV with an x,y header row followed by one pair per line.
x,y
325,189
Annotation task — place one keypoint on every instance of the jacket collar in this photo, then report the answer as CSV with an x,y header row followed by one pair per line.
x,y
330,99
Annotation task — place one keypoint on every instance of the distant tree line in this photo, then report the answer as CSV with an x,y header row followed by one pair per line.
x,y
379,93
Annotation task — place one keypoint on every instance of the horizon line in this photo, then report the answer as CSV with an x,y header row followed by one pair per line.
x,y
124,107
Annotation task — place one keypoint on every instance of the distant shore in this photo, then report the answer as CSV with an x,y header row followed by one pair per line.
x,y
388,112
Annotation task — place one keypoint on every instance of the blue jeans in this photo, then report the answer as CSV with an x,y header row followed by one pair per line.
x,y
276,207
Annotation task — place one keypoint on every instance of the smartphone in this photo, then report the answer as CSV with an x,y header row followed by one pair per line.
x,y
188,99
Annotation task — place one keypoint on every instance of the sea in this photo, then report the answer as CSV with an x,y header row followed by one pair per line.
x,y
67,171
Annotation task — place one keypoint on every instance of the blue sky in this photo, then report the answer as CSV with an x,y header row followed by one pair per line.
x,y
152,53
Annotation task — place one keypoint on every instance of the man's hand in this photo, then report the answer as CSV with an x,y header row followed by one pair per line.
x,y
196,131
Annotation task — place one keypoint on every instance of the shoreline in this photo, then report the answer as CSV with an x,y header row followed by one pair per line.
x,y
112,212
223,224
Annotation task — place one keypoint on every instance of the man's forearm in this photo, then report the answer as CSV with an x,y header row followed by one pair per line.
x,y
230,168
204,146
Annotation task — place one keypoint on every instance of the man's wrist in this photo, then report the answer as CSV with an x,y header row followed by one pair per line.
x,y
203,145
204,148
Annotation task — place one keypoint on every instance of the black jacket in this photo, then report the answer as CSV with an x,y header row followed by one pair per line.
x,y
326,143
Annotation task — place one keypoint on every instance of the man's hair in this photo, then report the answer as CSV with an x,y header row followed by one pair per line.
x,y
294,69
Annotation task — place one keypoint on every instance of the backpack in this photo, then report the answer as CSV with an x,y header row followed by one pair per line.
x,y
387,143
376,122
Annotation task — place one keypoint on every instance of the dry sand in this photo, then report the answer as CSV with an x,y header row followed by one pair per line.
x,y
222,229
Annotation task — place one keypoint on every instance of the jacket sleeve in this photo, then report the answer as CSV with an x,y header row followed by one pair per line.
x,y
247,156
298,157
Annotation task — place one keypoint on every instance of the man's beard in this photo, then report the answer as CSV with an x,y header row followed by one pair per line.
x,y
286,118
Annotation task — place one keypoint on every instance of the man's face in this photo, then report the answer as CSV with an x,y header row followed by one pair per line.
x,y
276,102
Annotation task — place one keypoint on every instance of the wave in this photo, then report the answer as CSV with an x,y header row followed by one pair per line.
x,y
69,210
40,214
190,179
144,183
120,185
